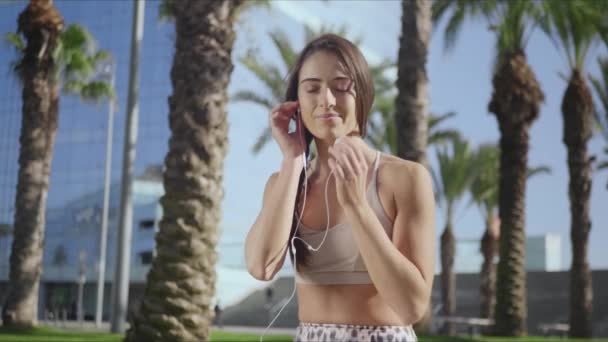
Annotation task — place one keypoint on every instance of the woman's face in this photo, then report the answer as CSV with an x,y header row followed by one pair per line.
x,y
327,97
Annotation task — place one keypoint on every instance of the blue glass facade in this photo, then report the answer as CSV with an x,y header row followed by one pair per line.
x,y
73,216
75,198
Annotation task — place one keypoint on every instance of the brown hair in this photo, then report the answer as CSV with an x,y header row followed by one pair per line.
x,y
358,70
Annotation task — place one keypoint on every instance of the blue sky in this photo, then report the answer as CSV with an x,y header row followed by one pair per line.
x,y
459,81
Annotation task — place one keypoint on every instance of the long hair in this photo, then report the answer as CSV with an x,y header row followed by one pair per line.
x,y
358,70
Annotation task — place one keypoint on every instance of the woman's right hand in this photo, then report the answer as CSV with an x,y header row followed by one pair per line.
x,y
291,144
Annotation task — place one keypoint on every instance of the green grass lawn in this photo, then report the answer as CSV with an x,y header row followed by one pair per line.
x,y
46,334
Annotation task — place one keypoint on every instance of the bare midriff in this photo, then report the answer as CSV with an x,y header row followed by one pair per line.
x,y
344,304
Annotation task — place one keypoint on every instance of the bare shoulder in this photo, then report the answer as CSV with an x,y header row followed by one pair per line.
x,y
401,171
405,178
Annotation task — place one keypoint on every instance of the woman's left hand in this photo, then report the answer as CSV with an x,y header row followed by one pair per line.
x,y
349,167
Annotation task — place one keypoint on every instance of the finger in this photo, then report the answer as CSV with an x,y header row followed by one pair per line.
x,y
356,155
287,108
279,116
336,168
277,120
361,160
344,156
284,110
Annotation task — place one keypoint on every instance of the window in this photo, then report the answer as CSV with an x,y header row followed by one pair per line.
x,y
146,224
146,257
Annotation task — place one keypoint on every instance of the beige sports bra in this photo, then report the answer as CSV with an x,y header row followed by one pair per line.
x,y
339,261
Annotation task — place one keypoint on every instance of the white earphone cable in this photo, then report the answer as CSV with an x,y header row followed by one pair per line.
x,y
293,247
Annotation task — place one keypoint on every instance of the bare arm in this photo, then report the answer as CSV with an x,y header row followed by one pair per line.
x,y
402,269
267,240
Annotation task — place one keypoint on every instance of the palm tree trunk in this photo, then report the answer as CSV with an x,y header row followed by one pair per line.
x,y
487,277
577,112
412,101
448,280
41,24
177,303
515,102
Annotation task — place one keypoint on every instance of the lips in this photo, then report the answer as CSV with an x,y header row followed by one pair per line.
x,y
328,116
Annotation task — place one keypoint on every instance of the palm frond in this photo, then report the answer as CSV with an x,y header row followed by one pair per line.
x,y
15,40
435,120
165,10
484,188
538,170
600,85
76,37
382,83
281,42
439,136
460,10
443,136
246,95
457,170
78,65
573,27
269,74
96,91
262,140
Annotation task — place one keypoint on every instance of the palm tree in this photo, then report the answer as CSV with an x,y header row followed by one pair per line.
x,y
456,170
515,102
484,193
573,28
412,81
601,113
53,60
177,301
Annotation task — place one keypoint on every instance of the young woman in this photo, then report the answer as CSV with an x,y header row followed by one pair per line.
x,y
364,271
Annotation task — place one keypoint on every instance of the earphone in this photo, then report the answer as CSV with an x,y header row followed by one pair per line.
x,y
292,240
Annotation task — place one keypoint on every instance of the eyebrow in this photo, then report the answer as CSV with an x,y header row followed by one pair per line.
x,y
313,79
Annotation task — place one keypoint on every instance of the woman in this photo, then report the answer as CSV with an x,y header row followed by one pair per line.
x,y
366,272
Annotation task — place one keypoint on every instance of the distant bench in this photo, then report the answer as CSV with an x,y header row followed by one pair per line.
x,y
472,324
552,329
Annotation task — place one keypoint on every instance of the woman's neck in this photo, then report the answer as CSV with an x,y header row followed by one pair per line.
x,y
320,165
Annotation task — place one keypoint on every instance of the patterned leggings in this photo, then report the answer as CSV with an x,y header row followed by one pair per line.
x,y
354,333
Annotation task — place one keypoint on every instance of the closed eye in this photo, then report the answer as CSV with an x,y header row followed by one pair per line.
x,y
343,88
343,84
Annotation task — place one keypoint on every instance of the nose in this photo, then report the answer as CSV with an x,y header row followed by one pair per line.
x,y
327,98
